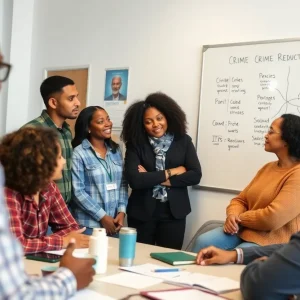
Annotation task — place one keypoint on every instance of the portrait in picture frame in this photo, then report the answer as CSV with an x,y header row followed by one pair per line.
x,y
116,84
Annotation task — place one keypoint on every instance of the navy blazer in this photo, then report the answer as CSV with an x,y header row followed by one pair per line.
x,y
141,204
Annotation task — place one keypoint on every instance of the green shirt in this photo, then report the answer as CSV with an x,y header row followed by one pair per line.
x,y
65,138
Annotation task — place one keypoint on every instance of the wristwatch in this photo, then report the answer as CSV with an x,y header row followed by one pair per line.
x,y
169,173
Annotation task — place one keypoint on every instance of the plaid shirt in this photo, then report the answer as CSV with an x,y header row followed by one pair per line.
x,y
90,176
65,138
14,282
29,221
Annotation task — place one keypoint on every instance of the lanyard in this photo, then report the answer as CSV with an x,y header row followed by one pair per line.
x,y
107,168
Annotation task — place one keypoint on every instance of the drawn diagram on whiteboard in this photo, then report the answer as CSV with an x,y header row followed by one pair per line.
x,y
287,101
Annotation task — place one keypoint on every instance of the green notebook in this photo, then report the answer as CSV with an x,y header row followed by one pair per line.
x,y
174,258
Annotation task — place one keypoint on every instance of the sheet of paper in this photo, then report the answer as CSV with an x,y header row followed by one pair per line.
x,y
76,253
131,280
214,283
191,278
183,294
147,270
221,284
91,295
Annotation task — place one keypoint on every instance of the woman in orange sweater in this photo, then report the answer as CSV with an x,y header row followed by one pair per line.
x,y
267,211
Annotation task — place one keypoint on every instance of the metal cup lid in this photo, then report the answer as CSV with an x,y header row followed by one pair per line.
x,y
127,230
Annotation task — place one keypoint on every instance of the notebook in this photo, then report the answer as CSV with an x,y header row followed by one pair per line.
x,y
174,258
210,283
179,294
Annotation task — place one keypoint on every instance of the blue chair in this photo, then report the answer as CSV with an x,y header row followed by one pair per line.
x,y
207,226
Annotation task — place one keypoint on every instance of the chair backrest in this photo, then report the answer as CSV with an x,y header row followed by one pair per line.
x,y
207,226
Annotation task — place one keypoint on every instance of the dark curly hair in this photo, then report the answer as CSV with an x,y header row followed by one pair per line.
x,y
133,123
82,127
29,157
290,133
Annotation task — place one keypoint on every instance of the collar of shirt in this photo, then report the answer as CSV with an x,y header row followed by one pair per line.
x,y
86,144
116,98
50,122
44,196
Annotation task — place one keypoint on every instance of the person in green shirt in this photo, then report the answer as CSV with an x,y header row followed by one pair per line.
x,y
61,100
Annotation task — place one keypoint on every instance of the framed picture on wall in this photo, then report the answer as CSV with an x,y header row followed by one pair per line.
x,y
116,94
116,84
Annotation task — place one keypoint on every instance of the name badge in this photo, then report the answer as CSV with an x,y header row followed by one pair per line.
x,y
111,186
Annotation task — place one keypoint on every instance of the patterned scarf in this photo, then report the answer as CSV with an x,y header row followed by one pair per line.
x,y
160,147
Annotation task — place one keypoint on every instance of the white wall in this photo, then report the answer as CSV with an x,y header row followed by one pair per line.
x,y
20,57
6,9
160,40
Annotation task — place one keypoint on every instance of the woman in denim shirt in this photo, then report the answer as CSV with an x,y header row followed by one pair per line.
x,y
100,193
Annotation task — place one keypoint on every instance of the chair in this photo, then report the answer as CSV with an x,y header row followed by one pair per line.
x,y
207,226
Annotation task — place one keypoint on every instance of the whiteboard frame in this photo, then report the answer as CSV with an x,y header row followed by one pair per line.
x,y
204,49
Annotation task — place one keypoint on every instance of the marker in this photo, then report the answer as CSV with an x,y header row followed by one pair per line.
x,y
167,270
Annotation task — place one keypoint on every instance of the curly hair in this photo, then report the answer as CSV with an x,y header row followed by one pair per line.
x,y
29,157
82,127
290,133
133,123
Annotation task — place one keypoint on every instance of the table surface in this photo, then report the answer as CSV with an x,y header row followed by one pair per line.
x,y
143,256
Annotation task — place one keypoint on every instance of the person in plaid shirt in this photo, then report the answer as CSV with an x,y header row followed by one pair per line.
x,y
32,158
14,282
61,100
100,190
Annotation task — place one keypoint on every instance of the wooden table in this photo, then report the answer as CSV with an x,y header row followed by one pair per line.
x,y
143,256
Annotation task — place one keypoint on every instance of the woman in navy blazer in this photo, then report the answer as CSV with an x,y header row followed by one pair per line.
x,y
160,163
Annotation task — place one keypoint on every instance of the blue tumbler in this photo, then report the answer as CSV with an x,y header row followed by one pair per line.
x,y
127,241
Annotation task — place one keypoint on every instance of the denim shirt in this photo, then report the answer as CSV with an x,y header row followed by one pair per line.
x,y
92,199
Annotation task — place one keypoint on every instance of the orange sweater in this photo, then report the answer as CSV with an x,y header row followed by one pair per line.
x,y
269,207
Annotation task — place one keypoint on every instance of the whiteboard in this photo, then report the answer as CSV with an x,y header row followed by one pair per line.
x,y
244,87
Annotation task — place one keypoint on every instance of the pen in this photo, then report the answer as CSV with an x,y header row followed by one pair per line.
x,y
167,270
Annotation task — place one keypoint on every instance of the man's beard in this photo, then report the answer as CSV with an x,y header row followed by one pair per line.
x,y
70,116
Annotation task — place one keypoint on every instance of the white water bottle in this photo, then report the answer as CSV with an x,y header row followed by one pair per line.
x,y
99,249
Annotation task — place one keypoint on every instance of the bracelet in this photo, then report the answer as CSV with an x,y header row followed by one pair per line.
x,y
169,173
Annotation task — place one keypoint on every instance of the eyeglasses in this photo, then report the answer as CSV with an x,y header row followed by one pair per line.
x,y
271,131
4,71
